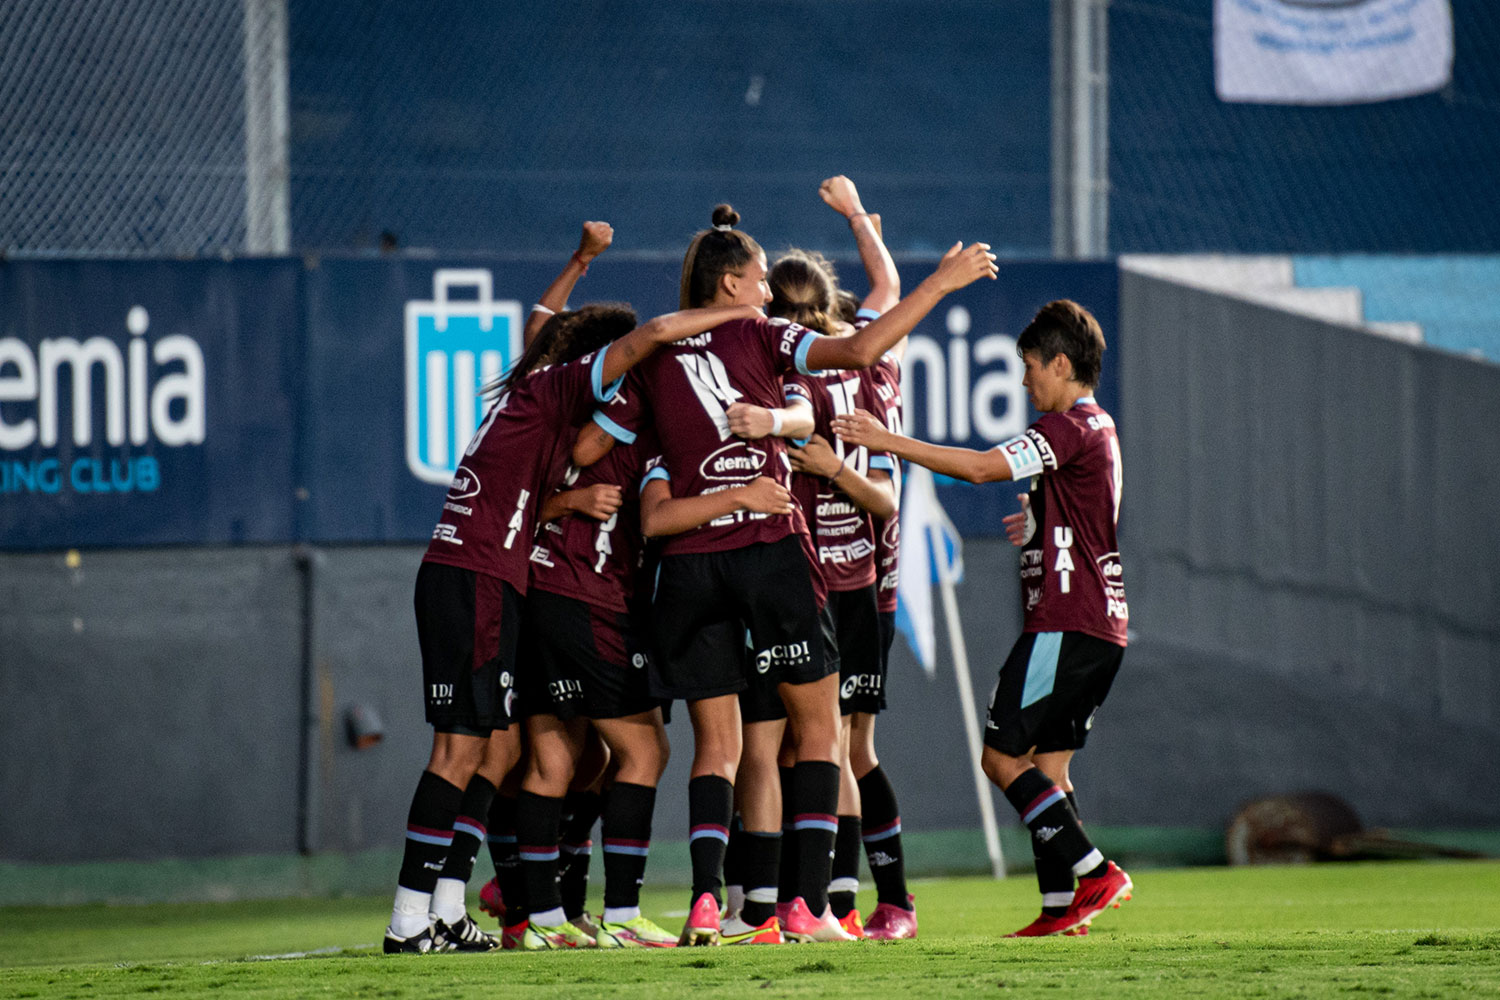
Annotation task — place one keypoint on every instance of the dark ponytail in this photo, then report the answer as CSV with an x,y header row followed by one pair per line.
x,y
565,337
712,254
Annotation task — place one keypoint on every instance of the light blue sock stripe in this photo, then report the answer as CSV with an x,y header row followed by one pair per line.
x,y
639,852
1041,669
883,835
815,824
1043,805
427,838
538,855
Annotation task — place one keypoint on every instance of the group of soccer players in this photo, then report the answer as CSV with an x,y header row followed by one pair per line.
x,y
704,508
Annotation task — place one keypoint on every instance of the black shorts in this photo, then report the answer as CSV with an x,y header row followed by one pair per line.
x,y
861,665
887,637
576,660
704,603
467,627
761,700
1049,689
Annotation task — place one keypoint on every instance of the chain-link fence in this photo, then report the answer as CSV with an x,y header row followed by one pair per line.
x,y
123,125
193,127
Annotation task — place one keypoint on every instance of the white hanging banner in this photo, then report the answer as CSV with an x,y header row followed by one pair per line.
x,y
1330,51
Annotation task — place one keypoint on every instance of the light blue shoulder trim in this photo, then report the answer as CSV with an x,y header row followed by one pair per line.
x,y
659,472
801,355
602,392
867,314
613,429
882,462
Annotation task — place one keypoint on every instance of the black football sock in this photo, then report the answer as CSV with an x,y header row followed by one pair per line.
x,y
1054,877
787,879
537,820
469,831
502,841
843,887
710,808
762,859
1055,830
815,802
881,823
734,858
579,814
429,831
627,842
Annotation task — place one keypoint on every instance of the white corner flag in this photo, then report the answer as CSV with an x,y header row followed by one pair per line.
x,y
928,538
1331,51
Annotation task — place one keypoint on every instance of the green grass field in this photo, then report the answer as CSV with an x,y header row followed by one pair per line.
x,y
1407,929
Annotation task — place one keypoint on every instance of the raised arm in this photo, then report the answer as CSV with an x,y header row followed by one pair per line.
x,y
596,238
873,493
861,427
885,283
663,514
959,267
640,343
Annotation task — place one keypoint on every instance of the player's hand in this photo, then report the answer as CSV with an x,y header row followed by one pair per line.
x,y
963,265
766,496
840,194
599,501
862,427
749,421
816,458
596,238
1020,525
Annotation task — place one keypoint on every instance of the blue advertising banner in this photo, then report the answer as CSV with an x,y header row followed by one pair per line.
x,y
148,403
397,348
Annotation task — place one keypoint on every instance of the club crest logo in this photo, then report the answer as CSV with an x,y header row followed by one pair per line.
x,y
453,346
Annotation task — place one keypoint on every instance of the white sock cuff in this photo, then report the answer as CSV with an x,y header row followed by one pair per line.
x,y
1093,859
844,885
550,918
620,914
762,894
448,901
1057,899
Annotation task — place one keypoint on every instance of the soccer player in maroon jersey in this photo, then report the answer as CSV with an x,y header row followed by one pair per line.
x,y
879,822
1074,633
475,574
748,570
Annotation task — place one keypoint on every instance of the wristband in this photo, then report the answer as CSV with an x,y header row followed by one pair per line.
x,y
775,422
581,262
539,308
856,215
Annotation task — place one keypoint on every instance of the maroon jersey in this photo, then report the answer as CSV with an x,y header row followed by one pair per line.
x,y
689,386
886,379
1071,578
595,561
842,533
518,452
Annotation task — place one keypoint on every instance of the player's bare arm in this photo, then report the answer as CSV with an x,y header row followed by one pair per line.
x,y
642,342
795,420
842,196
873,493
592,444
961,266
861,427
599,501
596,238
662,514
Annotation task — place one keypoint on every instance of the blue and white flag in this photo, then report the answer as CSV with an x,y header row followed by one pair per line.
x,y
931,552
1331,51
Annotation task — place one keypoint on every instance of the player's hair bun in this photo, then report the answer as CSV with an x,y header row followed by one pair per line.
x,y
725,215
